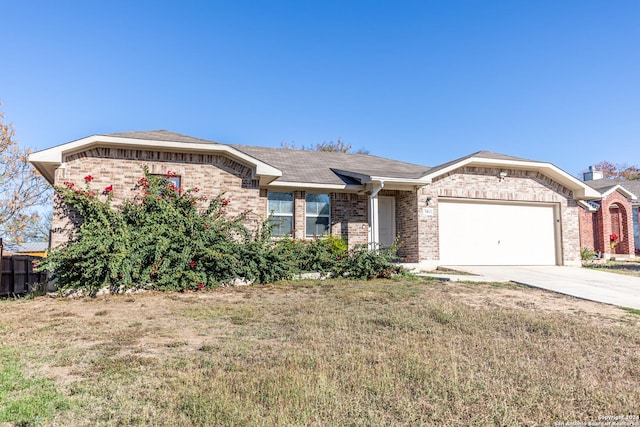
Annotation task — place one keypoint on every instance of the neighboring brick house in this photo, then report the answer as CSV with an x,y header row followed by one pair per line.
x,y
485,208
616,213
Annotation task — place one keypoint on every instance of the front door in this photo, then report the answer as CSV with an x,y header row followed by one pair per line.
x,y
386,220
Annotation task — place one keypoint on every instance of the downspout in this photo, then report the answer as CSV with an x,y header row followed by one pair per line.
x,y
374,230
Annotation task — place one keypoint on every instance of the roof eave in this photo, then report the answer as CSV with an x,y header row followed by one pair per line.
x,y
366,179
46,161
587,206
622,190
580,190
314,185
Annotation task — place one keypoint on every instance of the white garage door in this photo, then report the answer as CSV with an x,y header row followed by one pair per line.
x,y
496,234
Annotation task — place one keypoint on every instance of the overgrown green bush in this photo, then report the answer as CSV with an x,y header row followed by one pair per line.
x,y
363,263
164,237
169,239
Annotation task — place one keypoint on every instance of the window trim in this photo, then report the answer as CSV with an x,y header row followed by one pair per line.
x,y
271,212
307,215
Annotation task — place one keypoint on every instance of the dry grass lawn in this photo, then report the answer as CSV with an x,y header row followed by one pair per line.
x,y
407,352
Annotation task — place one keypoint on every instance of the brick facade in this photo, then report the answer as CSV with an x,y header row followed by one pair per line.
x,y
350,217
589,229
416,210
212,174
484,184
615,215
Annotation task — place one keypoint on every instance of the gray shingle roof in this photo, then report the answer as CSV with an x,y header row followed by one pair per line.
x,y
598,184
319,166
304,165
603,185
161,135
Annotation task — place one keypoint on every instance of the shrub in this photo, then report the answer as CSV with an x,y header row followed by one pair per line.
x,y
318,254
165,238
172,240
265,260
362,263
587,254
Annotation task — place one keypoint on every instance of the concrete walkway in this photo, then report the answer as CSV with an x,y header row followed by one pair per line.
x,y
600,286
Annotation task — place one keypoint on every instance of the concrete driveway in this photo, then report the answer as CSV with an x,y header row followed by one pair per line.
x,y
579,282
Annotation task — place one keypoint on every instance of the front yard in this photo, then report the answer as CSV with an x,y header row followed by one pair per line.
x,y
407,352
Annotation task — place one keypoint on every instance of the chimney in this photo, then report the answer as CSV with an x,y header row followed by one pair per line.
x,y
592,174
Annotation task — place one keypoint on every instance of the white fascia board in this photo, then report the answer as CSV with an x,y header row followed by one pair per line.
x,y
622,190
313,185
580,189
51,158
587,206
410,181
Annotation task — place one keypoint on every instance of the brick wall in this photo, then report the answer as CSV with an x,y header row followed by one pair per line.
x,y
625,245
407,218
483,183
589,229
212,174
299,212
350,217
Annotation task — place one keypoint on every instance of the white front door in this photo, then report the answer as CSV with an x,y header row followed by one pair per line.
x,y
386,220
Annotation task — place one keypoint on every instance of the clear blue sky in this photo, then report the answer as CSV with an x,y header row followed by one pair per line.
x,y
421,81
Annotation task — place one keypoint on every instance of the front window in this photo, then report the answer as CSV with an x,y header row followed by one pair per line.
x,y
318,213
281,211
175,180
172,178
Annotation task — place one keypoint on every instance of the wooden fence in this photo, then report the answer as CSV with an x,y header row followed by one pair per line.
x,y
18,276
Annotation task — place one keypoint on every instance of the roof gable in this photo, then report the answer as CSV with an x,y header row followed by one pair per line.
x,y
47,161
619,188
605,186
490,159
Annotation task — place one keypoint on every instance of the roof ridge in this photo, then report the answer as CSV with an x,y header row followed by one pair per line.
x,y
159,134
326,153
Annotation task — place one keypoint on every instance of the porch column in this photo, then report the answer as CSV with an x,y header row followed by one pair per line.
x,y
374,220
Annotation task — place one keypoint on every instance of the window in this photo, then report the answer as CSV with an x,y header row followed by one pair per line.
x,y
318,212
174,179
281,211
